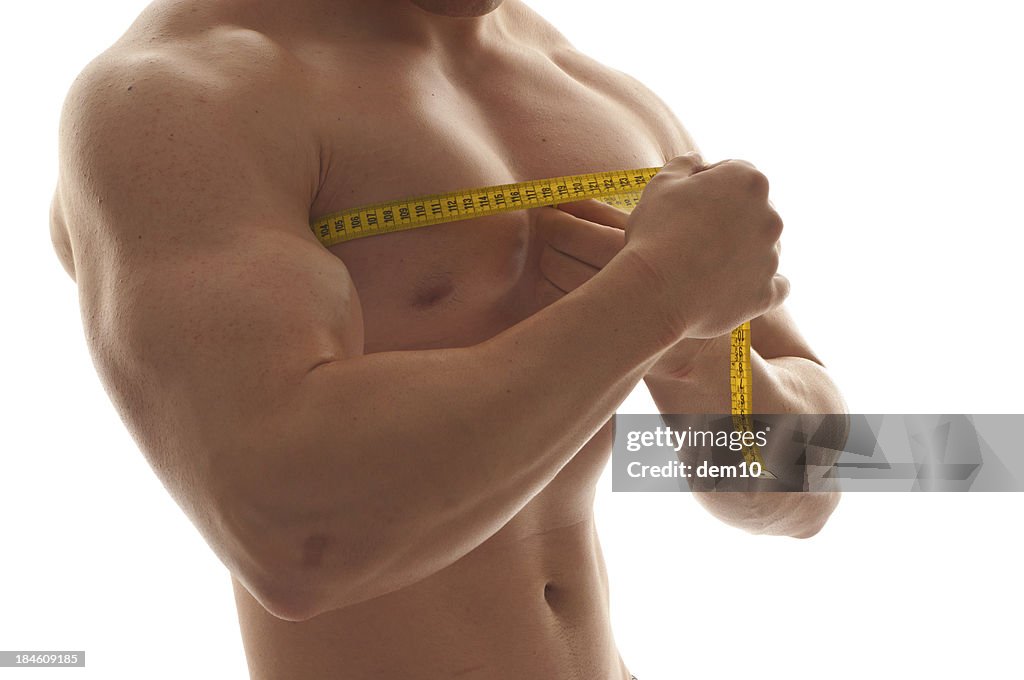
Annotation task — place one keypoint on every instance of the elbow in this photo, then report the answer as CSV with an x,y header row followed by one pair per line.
x,y
293,568
297,571
270,535
298,585
812,518
284,598
291,585
261,559
293,541
311,573
796,514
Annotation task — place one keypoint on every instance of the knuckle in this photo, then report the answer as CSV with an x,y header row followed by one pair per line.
x,y
728,168
691,159
757,181
683,165
738,165
781,286
737,174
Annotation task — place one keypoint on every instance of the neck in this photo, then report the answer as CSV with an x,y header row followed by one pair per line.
x,y
407,22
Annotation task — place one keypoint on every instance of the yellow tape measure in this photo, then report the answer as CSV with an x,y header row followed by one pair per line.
x,y
619,188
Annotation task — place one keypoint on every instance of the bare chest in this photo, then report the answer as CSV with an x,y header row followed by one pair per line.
x,y
419,131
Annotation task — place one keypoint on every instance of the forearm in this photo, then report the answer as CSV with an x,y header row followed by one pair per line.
x,y
783,384
399,463
780,385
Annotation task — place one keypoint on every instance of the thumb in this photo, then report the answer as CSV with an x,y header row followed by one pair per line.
x,y
688,164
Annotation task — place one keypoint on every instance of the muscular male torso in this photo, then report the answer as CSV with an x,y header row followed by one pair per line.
x,y
397,120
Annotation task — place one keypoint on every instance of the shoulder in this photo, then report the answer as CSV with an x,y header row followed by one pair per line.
x,y
624,89
660,118
181,98
639,100
174,56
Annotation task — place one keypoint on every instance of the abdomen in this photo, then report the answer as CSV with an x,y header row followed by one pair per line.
x,y
519,606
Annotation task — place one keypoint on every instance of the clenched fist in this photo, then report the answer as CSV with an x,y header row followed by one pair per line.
x,y
709,240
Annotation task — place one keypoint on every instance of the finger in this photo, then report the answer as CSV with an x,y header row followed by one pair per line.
x,y
774,225
594,244
742,172
731,161
597,211
778,291
564,272
686,165
548,293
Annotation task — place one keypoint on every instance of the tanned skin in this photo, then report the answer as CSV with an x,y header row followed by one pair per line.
x,y
393,443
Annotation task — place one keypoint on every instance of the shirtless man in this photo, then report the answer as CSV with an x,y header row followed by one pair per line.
x,y
393,443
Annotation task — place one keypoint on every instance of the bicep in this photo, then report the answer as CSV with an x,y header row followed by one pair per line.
x,y
205,297
220,337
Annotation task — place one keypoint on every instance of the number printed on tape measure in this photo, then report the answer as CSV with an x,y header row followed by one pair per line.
x,y
620,188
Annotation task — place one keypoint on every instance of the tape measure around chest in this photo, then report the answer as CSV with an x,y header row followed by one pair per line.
x,y
619,188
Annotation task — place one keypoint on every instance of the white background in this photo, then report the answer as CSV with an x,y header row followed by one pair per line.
x,y
891,133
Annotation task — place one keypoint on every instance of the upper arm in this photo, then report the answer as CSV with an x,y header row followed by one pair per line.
x,y
205,297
